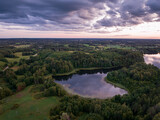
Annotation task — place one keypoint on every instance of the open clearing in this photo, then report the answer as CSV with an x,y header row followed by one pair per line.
x,y
19,55
29,108
22,46
118,47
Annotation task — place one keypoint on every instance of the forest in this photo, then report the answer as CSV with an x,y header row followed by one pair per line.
x,y
30,65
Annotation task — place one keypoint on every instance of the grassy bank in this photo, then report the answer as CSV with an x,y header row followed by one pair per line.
x,y
29,108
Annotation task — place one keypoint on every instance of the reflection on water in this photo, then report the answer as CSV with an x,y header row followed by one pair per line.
x,y
152,59
90,85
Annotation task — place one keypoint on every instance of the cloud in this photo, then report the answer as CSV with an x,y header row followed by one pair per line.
x,y
131,12
78,15
154,6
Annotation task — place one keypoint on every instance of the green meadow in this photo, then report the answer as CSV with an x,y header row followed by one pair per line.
x,y
22,46
19,56
28,108
118,47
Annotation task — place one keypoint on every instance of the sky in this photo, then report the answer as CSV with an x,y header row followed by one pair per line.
x,y
80,19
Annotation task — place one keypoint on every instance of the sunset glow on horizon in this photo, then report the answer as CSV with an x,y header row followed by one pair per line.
x,y
80,19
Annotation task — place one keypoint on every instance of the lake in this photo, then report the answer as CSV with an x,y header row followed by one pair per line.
x,y
90,84
152,59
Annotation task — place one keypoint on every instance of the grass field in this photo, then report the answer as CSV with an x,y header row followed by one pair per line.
x,y
19,55
61,54
15,68
118,47
86,45
66,45
22,46
29,108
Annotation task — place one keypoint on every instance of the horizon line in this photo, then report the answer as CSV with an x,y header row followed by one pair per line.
x,y
85,38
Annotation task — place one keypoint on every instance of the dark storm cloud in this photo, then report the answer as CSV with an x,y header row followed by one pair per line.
x,y
77,14
47,9
135,8
154,6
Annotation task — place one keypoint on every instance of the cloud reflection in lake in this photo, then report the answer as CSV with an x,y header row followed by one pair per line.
x,y
91,85
152,59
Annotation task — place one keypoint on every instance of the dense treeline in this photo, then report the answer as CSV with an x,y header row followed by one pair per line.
x,y
59,66
95,109
143,82
6,53
47,89
62,63
135,76
5,92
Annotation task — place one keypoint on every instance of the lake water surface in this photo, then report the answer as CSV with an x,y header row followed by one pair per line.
x,y
90,84
152,59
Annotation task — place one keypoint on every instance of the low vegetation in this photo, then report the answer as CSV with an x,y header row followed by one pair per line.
x,y
24,106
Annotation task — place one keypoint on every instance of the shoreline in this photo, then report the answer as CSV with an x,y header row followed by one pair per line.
x,y
70,92
79,69
116,84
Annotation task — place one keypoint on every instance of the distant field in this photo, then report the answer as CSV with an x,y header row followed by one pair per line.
x,y
19,55
86,45
66,45
61,54
29,109
22,46
15,68
146,47
118,47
